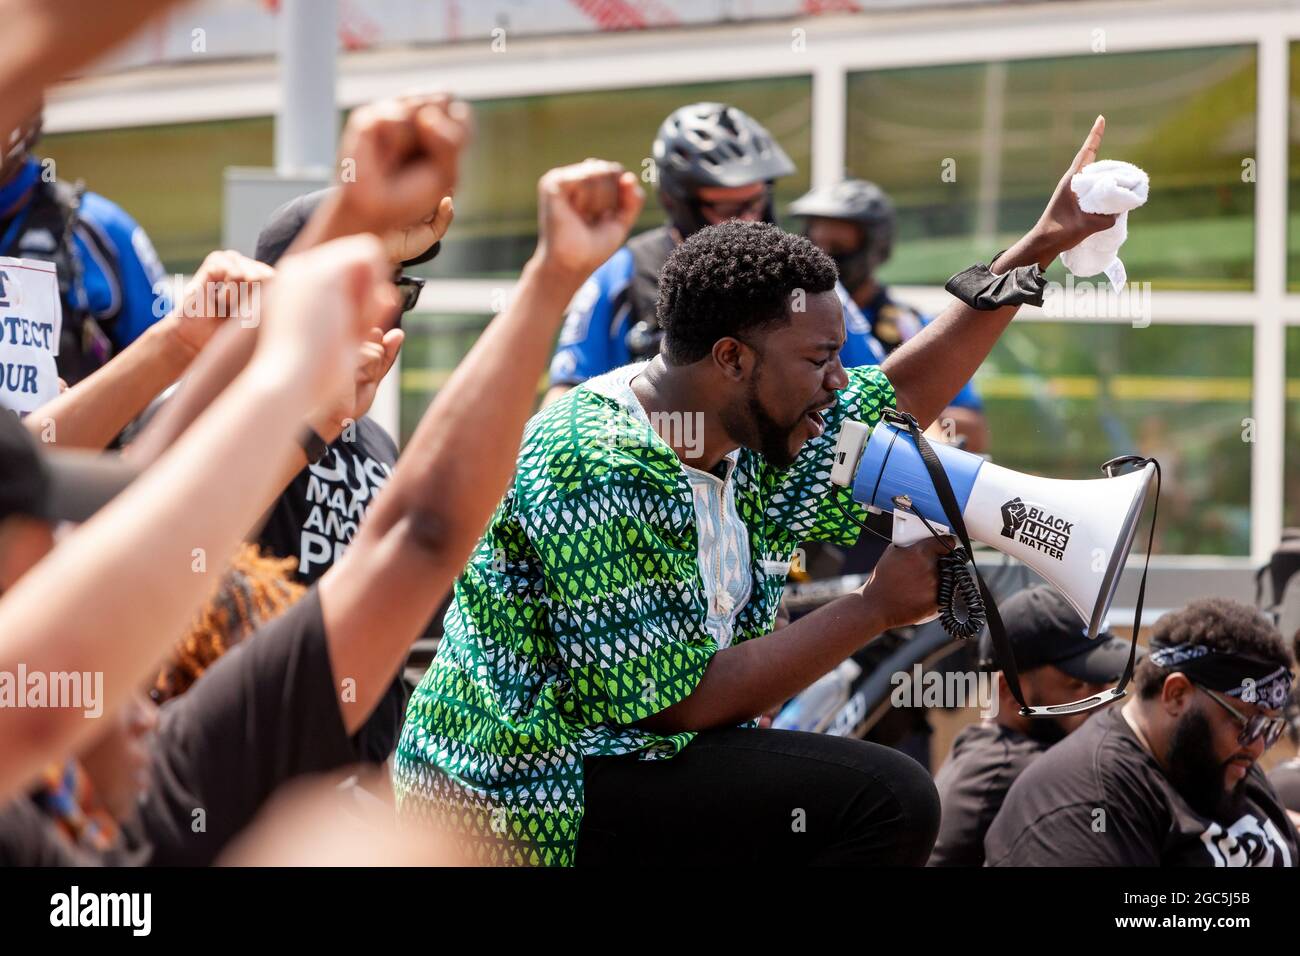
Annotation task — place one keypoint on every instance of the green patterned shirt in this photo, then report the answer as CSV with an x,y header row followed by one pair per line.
x,y
582,612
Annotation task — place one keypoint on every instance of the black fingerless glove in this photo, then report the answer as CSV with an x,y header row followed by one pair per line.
x,y
981,289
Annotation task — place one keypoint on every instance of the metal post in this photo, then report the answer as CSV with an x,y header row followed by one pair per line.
x,y
1268,405
829,119
306,127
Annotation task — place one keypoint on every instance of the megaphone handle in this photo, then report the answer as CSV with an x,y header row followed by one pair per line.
x,y
909,529
951,510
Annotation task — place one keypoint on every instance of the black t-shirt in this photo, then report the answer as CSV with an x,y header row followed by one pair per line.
x,y
985,761
265,713
317,515
1098,798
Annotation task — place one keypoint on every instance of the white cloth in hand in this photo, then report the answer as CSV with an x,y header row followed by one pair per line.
x,y
1113,188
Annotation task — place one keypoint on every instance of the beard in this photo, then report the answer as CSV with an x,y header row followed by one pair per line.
x,y
1194,769
1049,731
749,423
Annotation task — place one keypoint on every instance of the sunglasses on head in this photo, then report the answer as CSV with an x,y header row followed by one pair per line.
x,y
1252,728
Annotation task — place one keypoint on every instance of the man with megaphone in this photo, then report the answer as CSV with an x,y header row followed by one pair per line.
x,y
602,654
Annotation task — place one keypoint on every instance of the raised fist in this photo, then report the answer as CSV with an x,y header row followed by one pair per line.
x,y
228,285
324,304
584,213
399,160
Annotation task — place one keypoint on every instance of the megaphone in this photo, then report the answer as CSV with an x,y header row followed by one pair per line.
x,y
1076,534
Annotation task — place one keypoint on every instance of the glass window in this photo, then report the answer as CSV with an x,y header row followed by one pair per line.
x,y
435,344
518,139
169,178
1291,472
1293,177
1063,397
971,152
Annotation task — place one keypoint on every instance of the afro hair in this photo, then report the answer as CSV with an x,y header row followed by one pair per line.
x,y
733,278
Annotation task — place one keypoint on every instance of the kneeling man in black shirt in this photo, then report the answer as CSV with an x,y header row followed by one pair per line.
x,y
1170,778
1058,664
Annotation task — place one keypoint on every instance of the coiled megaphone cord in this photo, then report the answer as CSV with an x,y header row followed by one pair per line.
x,y
957,584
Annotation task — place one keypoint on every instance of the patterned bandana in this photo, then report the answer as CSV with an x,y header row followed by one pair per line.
x,y
1253,681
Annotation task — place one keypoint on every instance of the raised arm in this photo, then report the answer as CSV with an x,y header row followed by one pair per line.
x,y
930,369
141,567
91,413
44,41
418,535
401,156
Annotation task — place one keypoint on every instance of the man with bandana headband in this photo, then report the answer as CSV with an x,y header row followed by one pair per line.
x,y
1171,777
1057,664
1285,777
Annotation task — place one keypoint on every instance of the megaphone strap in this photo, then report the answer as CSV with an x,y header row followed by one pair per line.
x,y
1146,564
997,631
951,510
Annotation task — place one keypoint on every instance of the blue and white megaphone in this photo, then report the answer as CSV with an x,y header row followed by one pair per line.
x,y
1076,534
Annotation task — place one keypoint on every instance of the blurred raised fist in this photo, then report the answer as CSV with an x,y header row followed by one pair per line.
x,y
584,214
375,356
418,238
324,304
226,286
399,159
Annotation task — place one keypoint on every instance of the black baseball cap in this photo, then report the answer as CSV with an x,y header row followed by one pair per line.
x,y
1043,629
285,223
54,485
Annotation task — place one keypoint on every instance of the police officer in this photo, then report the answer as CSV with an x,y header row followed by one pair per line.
x,y
111,284
713,162
853,222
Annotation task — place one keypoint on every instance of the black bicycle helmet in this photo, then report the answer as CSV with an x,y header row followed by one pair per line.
x,y
707,145
860,202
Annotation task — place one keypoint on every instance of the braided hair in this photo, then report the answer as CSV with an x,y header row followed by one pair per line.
x,y
256,589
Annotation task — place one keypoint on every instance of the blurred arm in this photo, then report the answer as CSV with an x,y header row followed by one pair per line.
x,y
93,412
418,534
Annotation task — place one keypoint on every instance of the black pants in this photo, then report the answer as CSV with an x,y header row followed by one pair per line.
x,y
737,796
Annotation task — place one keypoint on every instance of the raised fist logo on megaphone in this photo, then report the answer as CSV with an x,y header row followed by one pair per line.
x,y
1076,534
1013,516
